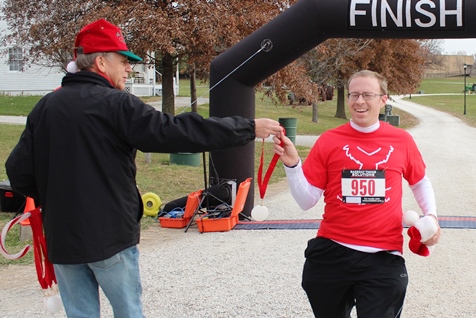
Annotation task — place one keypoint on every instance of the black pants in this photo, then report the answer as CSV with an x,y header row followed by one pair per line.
x,y
336,278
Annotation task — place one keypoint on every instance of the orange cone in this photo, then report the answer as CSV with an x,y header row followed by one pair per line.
x,y
29,206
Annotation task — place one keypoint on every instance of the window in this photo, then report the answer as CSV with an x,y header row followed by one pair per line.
x,y
15,59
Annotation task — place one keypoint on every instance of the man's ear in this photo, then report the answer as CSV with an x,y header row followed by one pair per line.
x,y
384,100
99,63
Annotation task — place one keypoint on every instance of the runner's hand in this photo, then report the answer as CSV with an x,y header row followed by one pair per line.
x,y
287,151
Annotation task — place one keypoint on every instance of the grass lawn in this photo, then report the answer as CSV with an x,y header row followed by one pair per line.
x,y
447,85
161,178
452,104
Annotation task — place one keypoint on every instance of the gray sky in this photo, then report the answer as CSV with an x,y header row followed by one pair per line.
x,y
454,46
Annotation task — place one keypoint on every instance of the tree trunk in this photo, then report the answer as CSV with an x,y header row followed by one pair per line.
x,y
168,97
193,90
315,114
340,112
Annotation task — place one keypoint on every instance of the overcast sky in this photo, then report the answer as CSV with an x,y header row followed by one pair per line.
x,y
454,46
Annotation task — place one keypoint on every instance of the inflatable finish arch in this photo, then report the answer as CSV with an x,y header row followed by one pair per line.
x,y
301,28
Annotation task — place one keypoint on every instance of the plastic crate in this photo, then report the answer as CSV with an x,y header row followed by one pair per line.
x,y
206,224
177,223
193,200
216,224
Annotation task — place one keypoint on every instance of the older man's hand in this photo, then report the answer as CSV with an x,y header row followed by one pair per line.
x,y
265,127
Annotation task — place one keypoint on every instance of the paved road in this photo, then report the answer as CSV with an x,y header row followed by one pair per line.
x,y
441,285
449,148
447,144
17,120
257,273
179,102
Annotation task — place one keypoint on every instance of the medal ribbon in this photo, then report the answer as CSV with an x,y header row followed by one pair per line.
x,y
263,184
44,269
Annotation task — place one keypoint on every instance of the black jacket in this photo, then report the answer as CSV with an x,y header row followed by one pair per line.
x,y
77,156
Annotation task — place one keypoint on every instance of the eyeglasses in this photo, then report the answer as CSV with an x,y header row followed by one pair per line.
x,y
366,96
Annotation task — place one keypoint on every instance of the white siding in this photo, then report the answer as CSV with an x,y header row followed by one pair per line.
x,y
33,80
36,80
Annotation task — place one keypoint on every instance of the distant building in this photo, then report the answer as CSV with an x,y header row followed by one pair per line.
x,y
145,81
451,65
19,79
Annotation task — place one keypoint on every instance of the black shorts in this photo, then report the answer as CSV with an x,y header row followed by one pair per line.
x,y
336,278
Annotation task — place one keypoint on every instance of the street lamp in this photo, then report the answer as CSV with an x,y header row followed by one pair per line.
x,y
465,66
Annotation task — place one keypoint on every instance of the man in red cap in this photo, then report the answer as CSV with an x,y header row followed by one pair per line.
x,y
77,157
102,36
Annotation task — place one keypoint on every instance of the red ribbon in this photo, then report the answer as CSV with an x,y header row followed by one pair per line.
x,y
263,184
44,268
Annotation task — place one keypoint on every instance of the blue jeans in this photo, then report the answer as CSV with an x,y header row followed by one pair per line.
x,y
117,276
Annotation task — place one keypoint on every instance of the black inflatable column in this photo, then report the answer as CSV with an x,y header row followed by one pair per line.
x,y
299,29
279,42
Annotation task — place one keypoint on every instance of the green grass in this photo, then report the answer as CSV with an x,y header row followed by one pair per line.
x,y
447,85
13,243
451,104
168,181
303,114
159,176
202,88
17,105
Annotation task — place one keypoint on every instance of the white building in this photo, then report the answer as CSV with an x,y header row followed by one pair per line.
x,y
19,79
142,81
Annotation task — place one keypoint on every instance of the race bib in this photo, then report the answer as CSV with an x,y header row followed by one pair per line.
x,y
363,186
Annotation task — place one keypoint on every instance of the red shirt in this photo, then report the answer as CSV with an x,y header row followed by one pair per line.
x,y
352,166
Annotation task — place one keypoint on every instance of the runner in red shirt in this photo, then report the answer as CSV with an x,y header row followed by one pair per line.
x,y
356,258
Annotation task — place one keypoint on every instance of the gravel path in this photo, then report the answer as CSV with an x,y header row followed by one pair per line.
x,y
256,273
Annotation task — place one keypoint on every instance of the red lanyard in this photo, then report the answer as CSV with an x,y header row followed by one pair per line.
x,y
263,184
44,269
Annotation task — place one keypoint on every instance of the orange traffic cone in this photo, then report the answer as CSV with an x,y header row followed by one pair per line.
x,y
29,206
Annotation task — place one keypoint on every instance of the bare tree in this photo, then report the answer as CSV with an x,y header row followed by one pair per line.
x,y
335,60
326,67
432,50
198,31
173,30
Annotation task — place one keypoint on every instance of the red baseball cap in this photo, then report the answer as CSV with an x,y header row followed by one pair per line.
x,y
102,36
